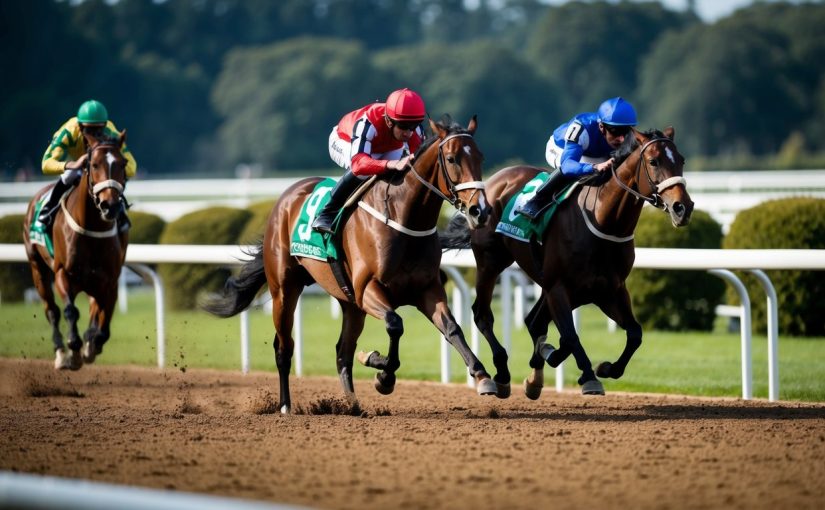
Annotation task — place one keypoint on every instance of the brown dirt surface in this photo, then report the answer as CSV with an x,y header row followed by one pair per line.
x,y
425,446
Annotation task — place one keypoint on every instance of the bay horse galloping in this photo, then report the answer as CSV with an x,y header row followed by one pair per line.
x,y
585,255
392,257
88,252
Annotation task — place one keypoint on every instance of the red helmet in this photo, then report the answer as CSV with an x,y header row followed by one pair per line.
x,y
405,106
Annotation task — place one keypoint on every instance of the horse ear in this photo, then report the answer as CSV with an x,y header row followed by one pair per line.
x,y
471,127
639,136
670,132
122,139
437,128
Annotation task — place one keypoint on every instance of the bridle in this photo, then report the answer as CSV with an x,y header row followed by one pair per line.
x,y
655,198
94,190
452,187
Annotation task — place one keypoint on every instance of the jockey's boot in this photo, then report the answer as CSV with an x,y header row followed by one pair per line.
x,y
342,190
539,202
47,212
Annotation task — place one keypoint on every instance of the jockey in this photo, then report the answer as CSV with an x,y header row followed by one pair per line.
x,y
372,140
582,147
67,155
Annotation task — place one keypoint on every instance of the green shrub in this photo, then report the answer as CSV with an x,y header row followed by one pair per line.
x,y
791,223
676,300
216,225
254,229
146,228
15,277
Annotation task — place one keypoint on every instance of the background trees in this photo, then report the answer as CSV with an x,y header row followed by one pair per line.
x,y
205,85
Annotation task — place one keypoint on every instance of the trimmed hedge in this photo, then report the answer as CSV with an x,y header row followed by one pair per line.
x,y
184,283
146,228
791,223
15,277
676,300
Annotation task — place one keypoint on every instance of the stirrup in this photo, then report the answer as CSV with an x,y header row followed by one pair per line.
x,y
322,225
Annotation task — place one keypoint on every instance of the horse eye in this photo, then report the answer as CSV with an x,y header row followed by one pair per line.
x,y
451,159
653,162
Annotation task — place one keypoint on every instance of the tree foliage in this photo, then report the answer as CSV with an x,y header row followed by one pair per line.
x,y
205,85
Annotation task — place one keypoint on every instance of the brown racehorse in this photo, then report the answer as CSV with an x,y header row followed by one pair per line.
x,y
392,254
585,256
88,252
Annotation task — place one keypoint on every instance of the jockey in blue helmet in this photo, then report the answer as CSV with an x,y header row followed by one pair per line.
x,y
581,147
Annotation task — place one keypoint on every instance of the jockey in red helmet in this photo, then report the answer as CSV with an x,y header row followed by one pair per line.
x,y
372,140
582,146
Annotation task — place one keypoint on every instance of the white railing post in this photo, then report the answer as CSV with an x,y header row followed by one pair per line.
x,y
773,334
744,330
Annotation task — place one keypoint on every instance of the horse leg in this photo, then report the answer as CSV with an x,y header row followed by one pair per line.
x,y
100,317
562,313
491,260
283,313
351,328
620,310
42,277
433,304
378,305
537,322
71,314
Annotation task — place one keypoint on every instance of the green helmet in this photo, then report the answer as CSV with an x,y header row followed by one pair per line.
x,y
92,112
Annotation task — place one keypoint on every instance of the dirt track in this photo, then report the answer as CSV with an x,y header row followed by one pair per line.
x,y
426,446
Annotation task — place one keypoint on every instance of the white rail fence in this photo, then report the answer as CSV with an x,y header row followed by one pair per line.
x,y
717,262
721,194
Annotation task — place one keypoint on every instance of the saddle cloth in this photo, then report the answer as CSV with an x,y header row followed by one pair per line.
x,y
37,230
520,227
306,242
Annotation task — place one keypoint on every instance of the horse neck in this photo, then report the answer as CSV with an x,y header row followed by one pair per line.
x,y
80,205
416,206
616,212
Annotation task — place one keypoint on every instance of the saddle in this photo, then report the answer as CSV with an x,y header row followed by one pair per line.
x,y
521,228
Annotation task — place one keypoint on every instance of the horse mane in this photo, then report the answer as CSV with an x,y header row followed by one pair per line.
x,y
630,144
447,123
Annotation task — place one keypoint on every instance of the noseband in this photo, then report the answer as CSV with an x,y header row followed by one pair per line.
x,y
655,197
452,187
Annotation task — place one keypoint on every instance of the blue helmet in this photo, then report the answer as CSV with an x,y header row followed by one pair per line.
x,y
617,112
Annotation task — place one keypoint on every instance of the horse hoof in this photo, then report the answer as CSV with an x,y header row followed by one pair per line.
x,y
363,357
603,370
382,389
503,390
486,387
593,387
532,391
62,360
285,409
89,352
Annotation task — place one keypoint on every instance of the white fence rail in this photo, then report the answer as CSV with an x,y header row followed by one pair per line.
x,y
722,194
718,262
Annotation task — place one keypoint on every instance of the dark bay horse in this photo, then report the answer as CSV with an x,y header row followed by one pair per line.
x,y
88,252
585,255
392,254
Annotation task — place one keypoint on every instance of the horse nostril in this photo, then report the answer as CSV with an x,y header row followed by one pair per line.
x,y
475,211
679,209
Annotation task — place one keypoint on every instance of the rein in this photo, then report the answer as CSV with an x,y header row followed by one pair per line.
x,y
453,188
654,199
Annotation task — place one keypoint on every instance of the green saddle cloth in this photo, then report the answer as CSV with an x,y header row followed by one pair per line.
x,y
37,230
522,228
306,242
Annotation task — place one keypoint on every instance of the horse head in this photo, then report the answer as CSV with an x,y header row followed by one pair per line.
x,y
106,174
658,175
458,169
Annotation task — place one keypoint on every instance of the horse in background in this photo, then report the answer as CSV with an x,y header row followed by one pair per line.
x,y
391,257
584,256
88,252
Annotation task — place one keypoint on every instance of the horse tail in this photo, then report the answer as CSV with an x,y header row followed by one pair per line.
x,y
457,234
239,291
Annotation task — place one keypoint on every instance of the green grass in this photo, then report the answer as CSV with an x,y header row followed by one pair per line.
x,y
684,363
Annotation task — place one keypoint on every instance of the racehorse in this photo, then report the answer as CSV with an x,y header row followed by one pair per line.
x,y
88,252
585,255
392,254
